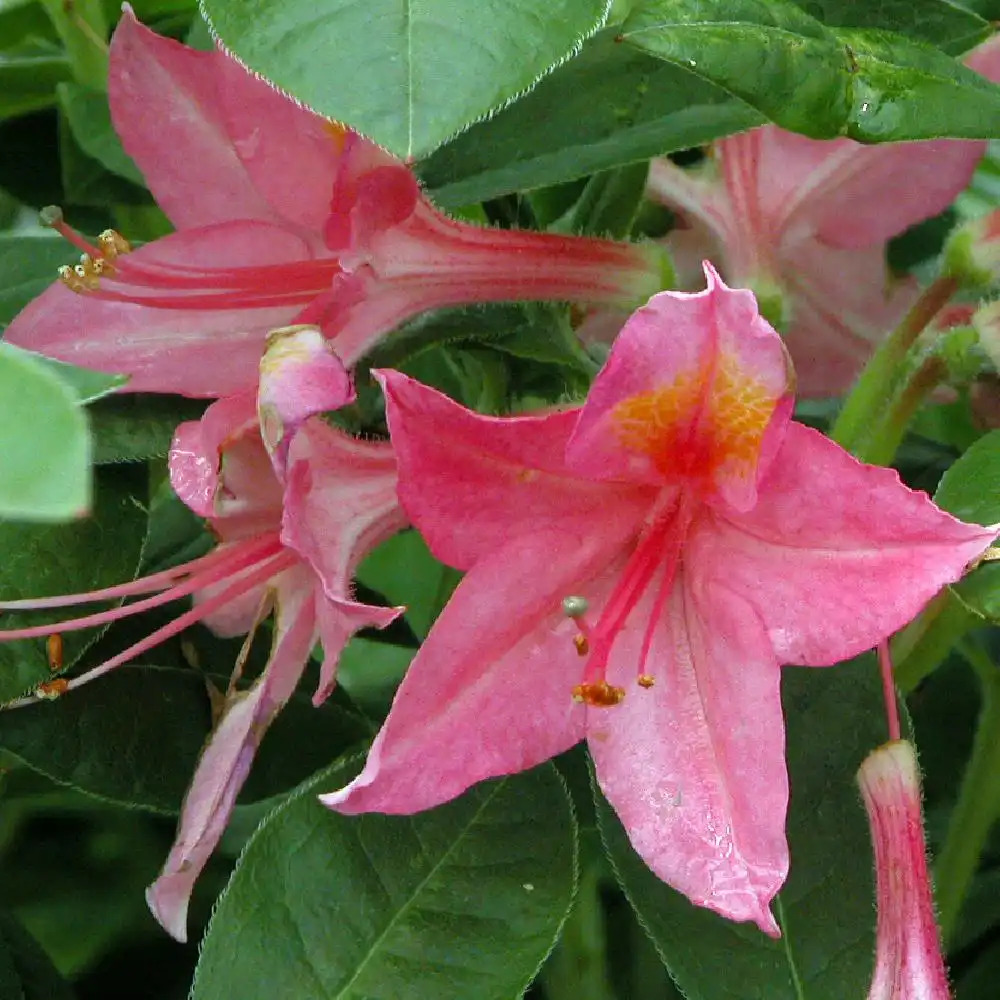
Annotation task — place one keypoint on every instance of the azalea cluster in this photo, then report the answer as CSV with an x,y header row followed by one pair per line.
x,y
638,567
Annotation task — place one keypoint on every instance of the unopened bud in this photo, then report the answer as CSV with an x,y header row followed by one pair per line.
x,y
908,962
972,252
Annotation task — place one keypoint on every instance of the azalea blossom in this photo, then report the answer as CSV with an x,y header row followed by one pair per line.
x,y
636,571
294,512
805,223
908,961
282,217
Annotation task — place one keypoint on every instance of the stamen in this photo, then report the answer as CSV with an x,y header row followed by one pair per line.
x,y
598,694
54,651
581,644
240,558
645,680
261,573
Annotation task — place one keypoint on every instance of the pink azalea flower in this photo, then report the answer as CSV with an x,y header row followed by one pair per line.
x,y
637,569
908,961
294,513
805,224
282,217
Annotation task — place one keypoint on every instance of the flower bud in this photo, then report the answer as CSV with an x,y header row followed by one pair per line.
x,y
972,252
908,962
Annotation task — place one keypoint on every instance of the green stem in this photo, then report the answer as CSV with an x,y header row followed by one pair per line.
x,y
866,401
577,969
881,445
920,648
978,802
83,29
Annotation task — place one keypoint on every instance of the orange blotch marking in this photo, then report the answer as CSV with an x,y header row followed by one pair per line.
x,y
691,427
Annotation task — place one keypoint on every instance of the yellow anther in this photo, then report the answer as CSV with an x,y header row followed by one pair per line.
x,y
72,279
645,681
112,243
51,690
598,694
582,646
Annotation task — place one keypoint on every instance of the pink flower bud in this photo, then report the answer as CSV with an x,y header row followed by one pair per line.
x,y
908,962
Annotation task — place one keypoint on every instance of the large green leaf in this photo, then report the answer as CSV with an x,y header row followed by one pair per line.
x,y
89,118
610,105
459,902
410,74
28,81
134,738
28,265
834,717
44,442
970,489
26,973
40,561
803,75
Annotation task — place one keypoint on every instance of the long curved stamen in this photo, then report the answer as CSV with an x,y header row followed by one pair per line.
x,y
665,535
104,263
240,558
262,572
144,585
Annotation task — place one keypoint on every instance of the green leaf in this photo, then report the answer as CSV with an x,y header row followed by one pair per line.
x,y
44,443
609,106
85,384
610,202
134,427
86,181
28,264
408,75
970,489
834,717
462,901
938,22
89,118
40,561
872,85
28,82
26,973
134,738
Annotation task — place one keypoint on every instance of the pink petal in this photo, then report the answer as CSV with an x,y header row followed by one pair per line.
x,y
685,375
338,621
197,444
489,692
226,761
694,766
836,555
985,58
699,195
166,107
841,303
186,350
340,502
300,376
290,154
471,482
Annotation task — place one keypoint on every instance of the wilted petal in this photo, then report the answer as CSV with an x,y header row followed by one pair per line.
x,y
694,765
300,376
225,762
908,961
836,555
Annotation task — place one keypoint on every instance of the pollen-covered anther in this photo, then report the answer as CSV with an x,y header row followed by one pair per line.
x,y
598,694
645,681
112,243
54,651
51,690
581,644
